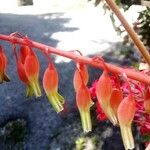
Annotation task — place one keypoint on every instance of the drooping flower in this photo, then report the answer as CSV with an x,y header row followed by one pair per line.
x,y
84,103
24,79
31,67
83,98
126,112
77,79
50,84
24,51
147,100
103,93
3,65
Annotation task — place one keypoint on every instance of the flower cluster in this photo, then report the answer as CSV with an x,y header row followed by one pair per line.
x,y
138,91
28,68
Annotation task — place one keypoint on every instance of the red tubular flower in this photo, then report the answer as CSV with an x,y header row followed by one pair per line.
x,y
83,98
31,67
126,112
77,79
103,93
115,100
50,84
147,100
84,103
24,79
3,65
24,51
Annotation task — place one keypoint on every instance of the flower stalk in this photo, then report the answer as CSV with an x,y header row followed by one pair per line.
x,y
130,31
81,59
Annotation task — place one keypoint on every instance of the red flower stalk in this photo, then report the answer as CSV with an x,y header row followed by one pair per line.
x,y
31,67
126,112
147,100
77,81
50,84
104,91
3,65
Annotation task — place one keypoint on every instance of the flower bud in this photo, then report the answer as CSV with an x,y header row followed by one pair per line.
x,y
50,84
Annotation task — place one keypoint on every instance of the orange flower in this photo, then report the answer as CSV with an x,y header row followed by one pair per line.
x,y
24,79
103,93
50,84
77,79
24,51
3,65
31,67
115,100
126,112
147,100
83,98
84,103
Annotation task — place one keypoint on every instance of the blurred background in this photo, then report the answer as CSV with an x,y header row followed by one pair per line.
x,y
88,26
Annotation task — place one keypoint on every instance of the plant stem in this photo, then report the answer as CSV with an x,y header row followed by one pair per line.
x,y
130,31
78,58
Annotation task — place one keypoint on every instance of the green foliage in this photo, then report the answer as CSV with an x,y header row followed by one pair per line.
x,y
144,28
13,134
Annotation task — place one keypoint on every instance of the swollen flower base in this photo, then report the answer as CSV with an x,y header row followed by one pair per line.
x,y
117,96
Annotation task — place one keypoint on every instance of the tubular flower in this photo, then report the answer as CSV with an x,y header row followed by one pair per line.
x,y
84,102
77,78
24,51
23,78
3,65
50,84
103,93
116,98
31,67
126,112
147,100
